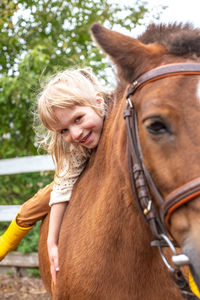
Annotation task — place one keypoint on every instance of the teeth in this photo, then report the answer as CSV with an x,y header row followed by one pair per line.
x,y
85,138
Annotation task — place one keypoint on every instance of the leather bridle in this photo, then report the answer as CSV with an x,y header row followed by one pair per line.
x,y
143,186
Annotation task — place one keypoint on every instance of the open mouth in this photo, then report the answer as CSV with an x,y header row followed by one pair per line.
x,y
86,138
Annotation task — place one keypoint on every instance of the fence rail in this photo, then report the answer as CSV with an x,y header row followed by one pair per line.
x,y
19,260
8,212
26,164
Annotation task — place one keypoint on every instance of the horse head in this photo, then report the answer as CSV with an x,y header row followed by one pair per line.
x,y
161,71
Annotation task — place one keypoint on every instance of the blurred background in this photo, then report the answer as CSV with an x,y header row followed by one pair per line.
x,y
39,38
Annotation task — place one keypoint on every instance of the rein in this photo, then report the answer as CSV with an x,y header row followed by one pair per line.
x,y
143,186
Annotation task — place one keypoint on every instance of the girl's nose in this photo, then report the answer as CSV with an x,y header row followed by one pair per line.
x,y
76,133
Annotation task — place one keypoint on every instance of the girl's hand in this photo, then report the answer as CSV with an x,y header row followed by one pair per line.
x,y
53,258
56,216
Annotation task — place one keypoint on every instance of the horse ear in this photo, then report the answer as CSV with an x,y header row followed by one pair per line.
x,y
130,55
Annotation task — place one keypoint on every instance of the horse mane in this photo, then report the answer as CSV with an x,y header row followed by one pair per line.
x,y
178,39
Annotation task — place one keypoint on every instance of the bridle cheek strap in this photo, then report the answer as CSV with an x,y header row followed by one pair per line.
x,y
187,192
143,186
179,197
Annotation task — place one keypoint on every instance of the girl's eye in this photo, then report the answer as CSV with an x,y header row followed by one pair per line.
x,y
157,127
78,119
64,131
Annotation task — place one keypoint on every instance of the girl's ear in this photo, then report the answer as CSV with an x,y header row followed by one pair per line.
x,y
99,98
100,101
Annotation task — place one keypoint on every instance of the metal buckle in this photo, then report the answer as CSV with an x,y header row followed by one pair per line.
x,y
129,102
177,259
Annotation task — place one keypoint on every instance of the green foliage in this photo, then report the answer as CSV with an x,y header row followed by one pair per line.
x,y
15,189
60,28
29,243
33,272
10,273
38,38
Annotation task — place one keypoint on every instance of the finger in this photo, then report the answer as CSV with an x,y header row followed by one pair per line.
x,y
53,273
56,262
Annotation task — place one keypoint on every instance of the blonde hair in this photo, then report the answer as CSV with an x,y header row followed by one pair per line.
x,y
65,89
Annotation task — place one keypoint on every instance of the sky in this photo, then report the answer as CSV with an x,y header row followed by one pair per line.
x,y
180,10
176,11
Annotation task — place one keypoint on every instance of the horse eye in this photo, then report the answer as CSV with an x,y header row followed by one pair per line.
x,y
157,127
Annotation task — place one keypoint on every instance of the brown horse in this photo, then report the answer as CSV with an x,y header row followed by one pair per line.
x,y
104,246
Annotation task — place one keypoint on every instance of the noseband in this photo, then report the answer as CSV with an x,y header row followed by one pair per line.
x,y
143,186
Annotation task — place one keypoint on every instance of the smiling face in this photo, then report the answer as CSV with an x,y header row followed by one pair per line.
x,y
79,125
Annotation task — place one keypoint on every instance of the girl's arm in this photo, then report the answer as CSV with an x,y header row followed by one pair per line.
x,y
60,196
56,216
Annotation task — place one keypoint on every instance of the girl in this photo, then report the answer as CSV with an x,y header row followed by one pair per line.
x,y
71,108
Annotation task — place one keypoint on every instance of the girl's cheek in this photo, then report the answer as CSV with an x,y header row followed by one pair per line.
x,y
67,139
87,124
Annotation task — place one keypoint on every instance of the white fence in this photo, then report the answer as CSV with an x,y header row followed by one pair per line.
x,y
26,164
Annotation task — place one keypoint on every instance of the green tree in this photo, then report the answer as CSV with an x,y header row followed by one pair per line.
x,y
38,38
